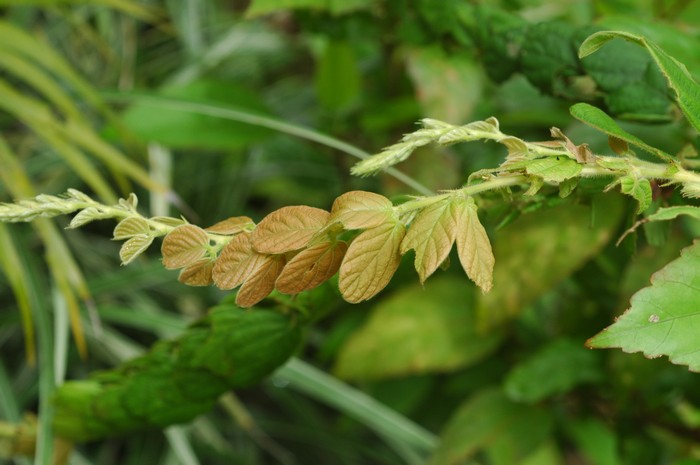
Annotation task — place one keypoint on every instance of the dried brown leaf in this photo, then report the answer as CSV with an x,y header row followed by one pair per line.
x,y
371,261
261,282
183,246
130,227
361,210
311,267
431,235
288,229
473,245
134,247
231,226
236,262
198,273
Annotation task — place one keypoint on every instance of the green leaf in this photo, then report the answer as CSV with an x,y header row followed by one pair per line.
x,y
554,169
417,330
547,57
596,441
489,419
663,319
134,247
338,79
639,189
671,213
555,369
597,119
567,187
686,89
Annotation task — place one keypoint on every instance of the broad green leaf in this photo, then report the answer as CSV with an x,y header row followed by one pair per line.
x,y
236,262
663,319
554,169
557,368
473,245
371,261
130,227
686,89
360,210
541,248
419,329
596,441
671,213
134,247
338,78
639,189
431,235
288,229
311,267
183,246
547,58
597,119
489,419
260,282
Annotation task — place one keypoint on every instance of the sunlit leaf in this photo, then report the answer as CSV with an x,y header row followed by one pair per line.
x,y
287,229
473,246
311,267
134,247
371,261
130,227
183,246
260,282
360,210
231,226
236,262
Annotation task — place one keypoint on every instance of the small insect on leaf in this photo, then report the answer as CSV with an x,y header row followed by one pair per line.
x,y
371,261
311,267
197,273
236,262
130,227
231,226
288,229
473,246
134,247
183,246
361,210
260,282
431,235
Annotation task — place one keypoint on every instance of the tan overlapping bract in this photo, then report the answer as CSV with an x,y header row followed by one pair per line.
x,y
361,210
288,229
473,245
311,267
183,246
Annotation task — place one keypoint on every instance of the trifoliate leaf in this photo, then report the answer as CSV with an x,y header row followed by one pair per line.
x,y
371,261
183,246
237,261
639,188
288,229
134,247
232,225
197,273
554,169
473,245
664,318
260,282
431,235
361,210
311,267
130,227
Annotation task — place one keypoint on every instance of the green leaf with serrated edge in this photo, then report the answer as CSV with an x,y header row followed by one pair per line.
x,y
473,245
134,247
418,329
687,90
554,169
431,234
130,227
183,246
541,248
486,419
361,210
598,119
371,261
663,319
567,187
555,369
671,213
639,189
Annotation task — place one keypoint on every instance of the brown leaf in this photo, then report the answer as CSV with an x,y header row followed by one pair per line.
x,y
198,273
371,261
184,245
260,282
232,225
288,229
311,267
431,235
236,262
361,210
473,245
130,227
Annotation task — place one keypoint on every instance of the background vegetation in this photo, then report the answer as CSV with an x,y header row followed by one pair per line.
x,y
211,109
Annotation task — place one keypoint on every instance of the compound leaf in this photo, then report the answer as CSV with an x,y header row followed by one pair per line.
x,y
473,245
287,229
183,246
311,267
663,319
361,210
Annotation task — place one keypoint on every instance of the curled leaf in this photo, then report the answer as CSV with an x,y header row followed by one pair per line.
x,y
473,246
639,189
134,247
371,261
231,226
236,262
288,229
183,246
197,273
130,227
260,282
361,210
311,267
